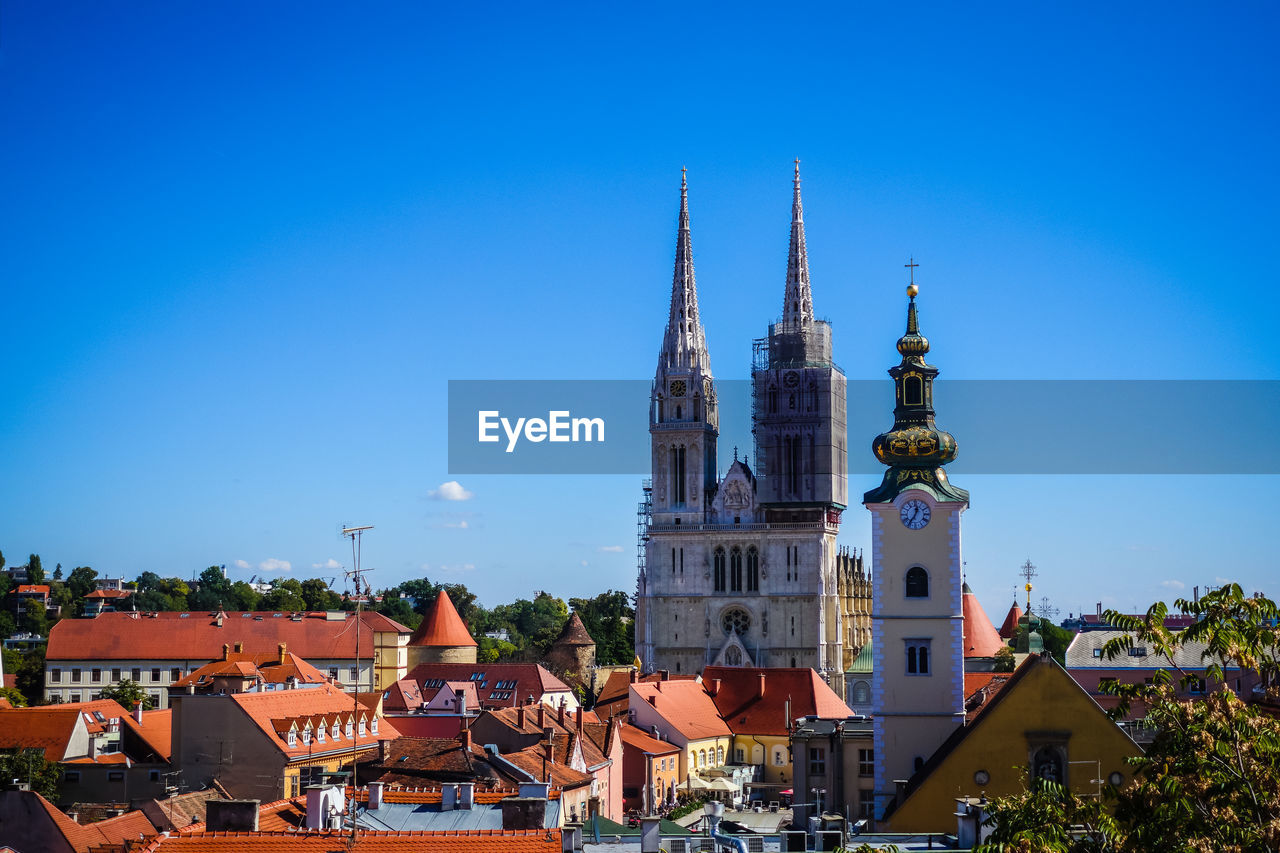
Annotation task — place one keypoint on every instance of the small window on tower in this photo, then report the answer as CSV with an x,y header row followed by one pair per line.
x,y
913,391
917,582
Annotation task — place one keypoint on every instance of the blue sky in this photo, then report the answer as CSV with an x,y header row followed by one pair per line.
x,y
244,247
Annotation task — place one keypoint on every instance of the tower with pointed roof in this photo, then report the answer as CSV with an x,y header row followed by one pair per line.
x,y
741,568
918,589
442,637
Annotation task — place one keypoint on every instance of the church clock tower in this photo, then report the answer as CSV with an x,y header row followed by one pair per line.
x,y
917,609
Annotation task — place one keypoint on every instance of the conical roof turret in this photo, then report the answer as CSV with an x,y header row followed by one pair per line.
x,y
442,626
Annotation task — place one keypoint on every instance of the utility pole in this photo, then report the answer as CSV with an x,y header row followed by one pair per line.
x,y
356,535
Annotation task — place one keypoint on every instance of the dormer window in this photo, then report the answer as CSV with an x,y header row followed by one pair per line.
x,y
373,725
292,739
350,728
337,735
362,729
306,736
320,735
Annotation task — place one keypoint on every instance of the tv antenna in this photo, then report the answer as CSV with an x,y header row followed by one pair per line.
x,y
356,535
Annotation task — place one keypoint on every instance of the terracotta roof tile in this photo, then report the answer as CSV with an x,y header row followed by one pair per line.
x,y
1009,628
173,636
531,760
276,711
527,679
46,727
442,626
476,841
635,738
415,760
81,837
980,637
750,705
575,633
686,706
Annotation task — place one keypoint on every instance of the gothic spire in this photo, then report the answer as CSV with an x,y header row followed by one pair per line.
x,y
684,345
797,306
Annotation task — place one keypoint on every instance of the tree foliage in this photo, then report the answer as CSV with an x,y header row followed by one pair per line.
x,y
30,766
1210,780
609,619
128,693
35,570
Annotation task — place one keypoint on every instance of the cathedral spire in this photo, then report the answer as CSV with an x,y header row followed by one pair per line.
x,y
797,306
684,346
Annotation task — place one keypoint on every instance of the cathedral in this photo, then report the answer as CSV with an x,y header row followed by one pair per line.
x,y
742,568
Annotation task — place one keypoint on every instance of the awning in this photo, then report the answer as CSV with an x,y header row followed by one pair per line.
x,y
787,792
723,785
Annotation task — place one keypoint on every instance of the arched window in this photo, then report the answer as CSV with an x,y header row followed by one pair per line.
x,y
735,569
861,693
702,758
753,570
719,755
917,582
718,573
913,391
1048,765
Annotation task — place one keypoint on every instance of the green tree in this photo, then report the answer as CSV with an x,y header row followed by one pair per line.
x,y
30,766
7,624
244,596
316,595
34,617
82,581
609,619
15,698
128,693
6,584
212,591
1056,639
29,674
1210,779
397,608
285,595
57,572
1,559
35,571
1005,661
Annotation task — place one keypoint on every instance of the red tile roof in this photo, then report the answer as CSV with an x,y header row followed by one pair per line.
x,y
419,760
156,729
575,633
81,837
617,687
442,626
980,637
32,589
1009,628
403,695
275,712
526,679
634,738
531,759
750,706
686,706
271,668
980,688
48,727
197,635
110,593
475,841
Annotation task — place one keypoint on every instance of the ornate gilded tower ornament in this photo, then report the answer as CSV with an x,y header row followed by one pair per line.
x,y
914,449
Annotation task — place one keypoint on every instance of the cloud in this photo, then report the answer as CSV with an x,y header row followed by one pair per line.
x,y
455,568
1222,581
610,549
1173,584
327,564
450,491
584,562
241,564
461,525
274,565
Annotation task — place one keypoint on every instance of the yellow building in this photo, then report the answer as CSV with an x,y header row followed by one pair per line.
x,y
1041,723
684,715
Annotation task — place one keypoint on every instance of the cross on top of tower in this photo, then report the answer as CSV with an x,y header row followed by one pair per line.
x,y
911,265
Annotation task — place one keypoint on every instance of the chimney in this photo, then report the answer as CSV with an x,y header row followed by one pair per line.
x,y
232,815
761,684
375,796
653,699
631,676
460,701
1099,608
548,736
239,647
464,738
282,648
226,652
560,714
137,713
466,795
524,812
715,686
664,675
577,715
542,716
448,797
520,717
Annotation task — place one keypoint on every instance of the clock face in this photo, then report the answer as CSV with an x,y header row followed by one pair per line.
x,y
791,380
677,388
914,514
